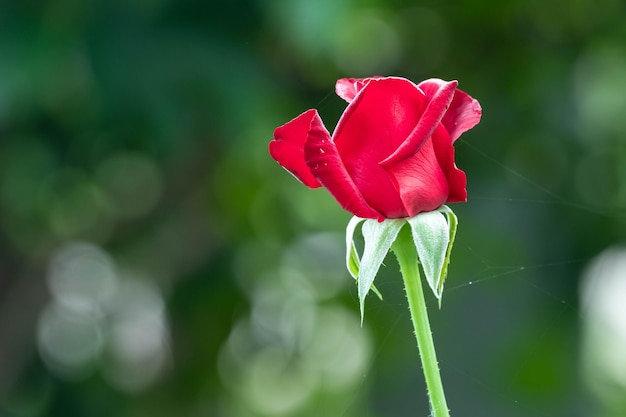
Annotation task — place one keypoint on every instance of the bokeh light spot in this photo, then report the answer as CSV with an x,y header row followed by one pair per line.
x,y
340,348
69,343
309,24
600,82
604,327
320,259
367,44
74,205
82,278
137,338
275,385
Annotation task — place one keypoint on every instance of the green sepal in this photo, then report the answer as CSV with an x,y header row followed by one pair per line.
x,y
378,237
353,262
452,224
352,257
433,235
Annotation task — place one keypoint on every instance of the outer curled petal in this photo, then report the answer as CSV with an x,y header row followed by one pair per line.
x,y
464,112
434,113
326,165
444,151
420,180
287,148
348,88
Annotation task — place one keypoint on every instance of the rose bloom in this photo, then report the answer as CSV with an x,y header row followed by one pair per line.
x,y
391,154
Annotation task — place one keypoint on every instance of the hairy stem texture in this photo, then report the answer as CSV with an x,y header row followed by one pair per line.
x,y
405,251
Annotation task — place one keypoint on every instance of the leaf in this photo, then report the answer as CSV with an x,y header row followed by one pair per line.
x,y
431,236
378,239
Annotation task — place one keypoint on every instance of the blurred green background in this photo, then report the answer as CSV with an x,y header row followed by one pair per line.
x,y
154,260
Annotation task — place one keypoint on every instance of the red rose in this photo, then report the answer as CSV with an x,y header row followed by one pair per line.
x,y
391,155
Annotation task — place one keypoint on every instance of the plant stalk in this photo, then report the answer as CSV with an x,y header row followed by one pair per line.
x,y
405,251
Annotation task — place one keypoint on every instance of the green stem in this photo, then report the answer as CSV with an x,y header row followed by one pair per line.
x,y
405,251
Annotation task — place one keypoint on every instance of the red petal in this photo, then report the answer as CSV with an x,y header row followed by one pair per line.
x,y
348,88
420,180
436,109
373,126
464,111
325,163
287,148
445,155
